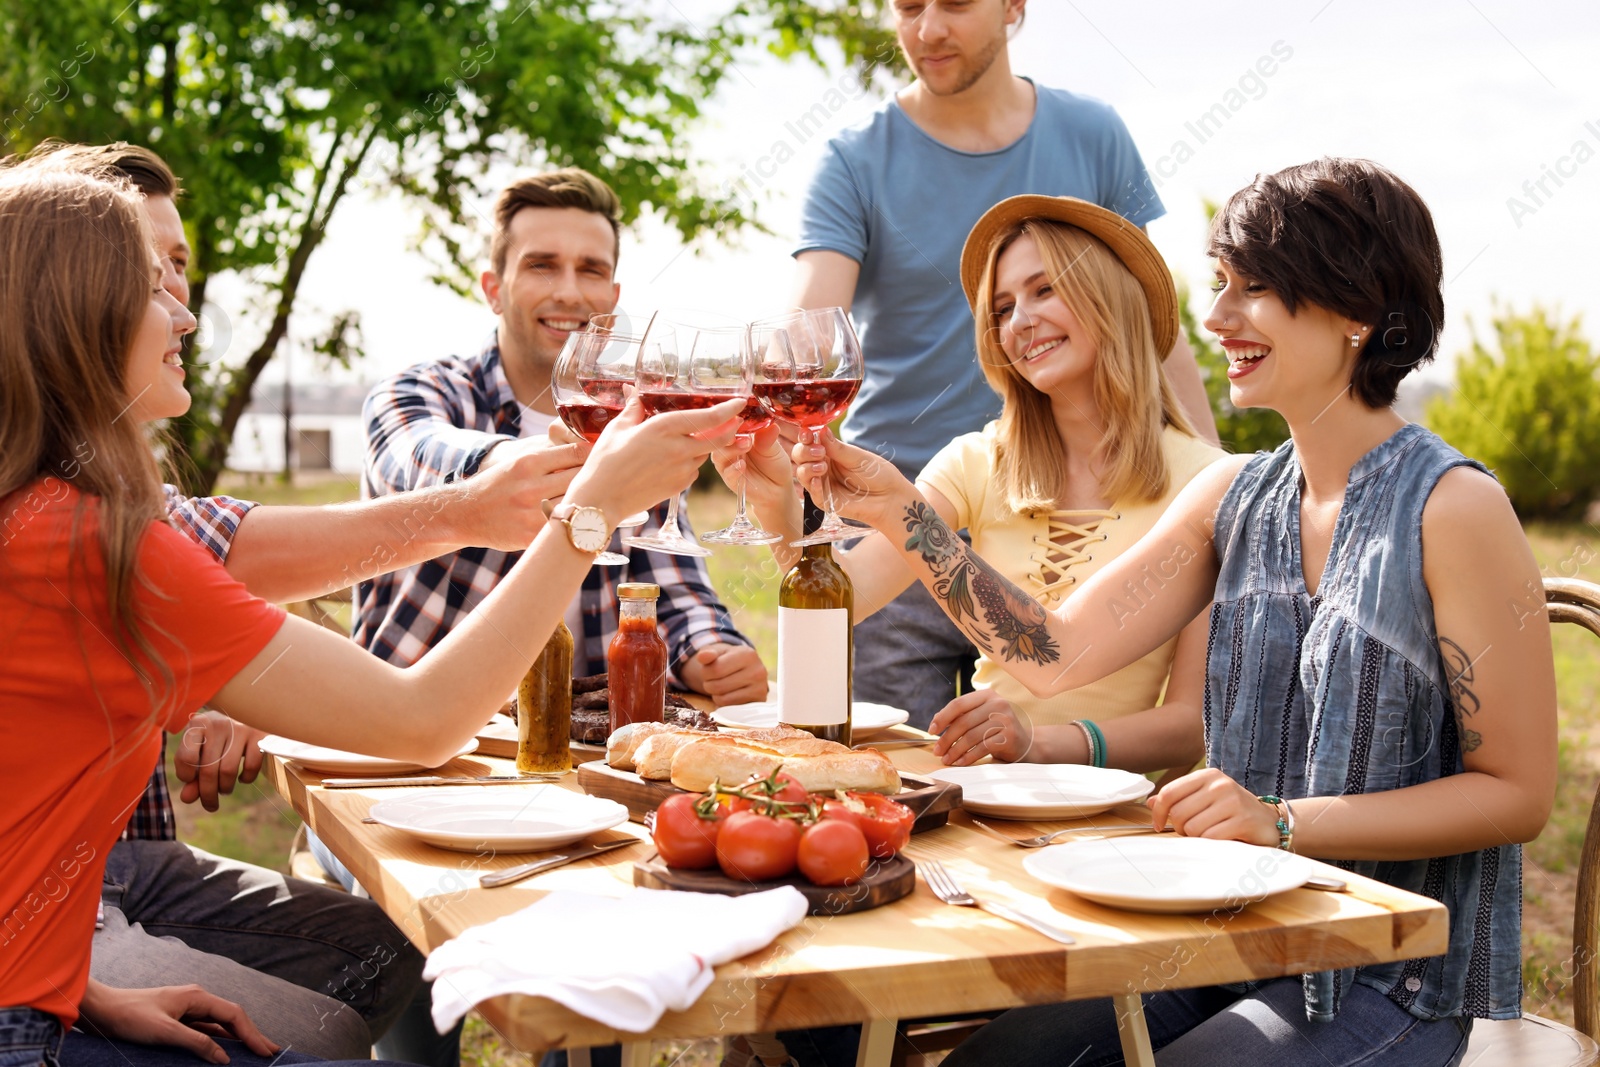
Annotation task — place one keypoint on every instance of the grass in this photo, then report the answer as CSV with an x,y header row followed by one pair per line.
x,y
256,825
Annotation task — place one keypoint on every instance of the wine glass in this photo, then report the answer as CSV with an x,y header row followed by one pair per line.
x,y
741,531
589,385
688,361
808,370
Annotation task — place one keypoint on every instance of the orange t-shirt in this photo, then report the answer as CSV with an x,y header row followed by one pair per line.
x,y
77,736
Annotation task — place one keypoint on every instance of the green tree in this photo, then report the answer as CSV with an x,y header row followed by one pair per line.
x,y
273,113
1530,410
1240,429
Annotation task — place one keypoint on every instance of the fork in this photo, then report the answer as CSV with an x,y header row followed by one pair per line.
x,y
1049,839
947,889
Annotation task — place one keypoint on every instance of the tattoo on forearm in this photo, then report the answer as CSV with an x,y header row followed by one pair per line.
x,y
1459,675
1011,619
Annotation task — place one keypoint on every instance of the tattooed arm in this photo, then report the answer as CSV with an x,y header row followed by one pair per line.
x,y
1132,605
1495,664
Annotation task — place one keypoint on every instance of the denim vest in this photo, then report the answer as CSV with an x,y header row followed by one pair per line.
x,y
1345,692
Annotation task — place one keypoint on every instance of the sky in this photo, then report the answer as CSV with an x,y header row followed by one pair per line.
x,y
1489,108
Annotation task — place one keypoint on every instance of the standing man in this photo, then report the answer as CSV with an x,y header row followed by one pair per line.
x,y
881,233
553,256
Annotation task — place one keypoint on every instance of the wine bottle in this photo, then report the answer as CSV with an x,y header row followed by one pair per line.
x,y
816,646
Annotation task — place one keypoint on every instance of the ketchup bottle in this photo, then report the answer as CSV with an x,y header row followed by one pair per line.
x,y
636,662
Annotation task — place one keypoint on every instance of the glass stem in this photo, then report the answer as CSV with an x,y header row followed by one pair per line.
x,y
669,528
829,517
739,519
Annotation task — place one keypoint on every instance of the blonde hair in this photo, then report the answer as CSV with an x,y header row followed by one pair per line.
x,y
1130,386
78,273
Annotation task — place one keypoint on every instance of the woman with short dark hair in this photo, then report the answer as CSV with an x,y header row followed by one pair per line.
x,y
1380,691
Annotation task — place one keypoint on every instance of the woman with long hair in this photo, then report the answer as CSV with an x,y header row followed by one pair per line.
x,y
1379,688
1073,308
113,626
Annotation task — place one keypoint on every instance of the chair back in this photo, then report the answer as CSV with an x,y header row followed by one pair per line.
x,y
1569,600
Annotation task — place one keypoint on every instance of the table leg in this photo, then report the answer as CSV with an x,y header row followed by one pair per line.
x,y
877,1042
1136,1050
636,1054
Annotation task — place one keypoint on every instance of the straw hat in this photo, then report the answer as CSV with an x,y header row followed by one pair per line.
x,y
1126,241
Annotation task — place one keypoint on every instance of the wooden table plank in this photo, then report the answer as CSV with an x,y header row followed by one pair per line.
x,y
915,958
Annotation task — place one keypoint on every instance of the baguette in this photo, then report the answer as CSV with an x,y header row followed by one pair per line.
x,y
867,771
727,760
621,745
653,758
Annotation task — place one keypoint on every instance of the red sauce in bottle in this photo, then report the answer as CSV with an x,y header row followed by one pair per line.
x,y
636,661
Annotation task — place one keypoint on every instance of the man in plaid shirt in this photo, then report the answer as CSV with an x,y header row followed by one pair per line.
x,y
553,255
321,971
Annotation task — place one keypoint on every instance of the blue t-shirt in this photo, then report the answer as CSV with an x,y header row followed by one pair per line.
x,y
901,203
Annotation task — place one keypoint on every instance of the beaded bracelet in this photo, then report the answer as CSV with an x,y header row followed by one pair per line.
x,y
1095,740
1285,820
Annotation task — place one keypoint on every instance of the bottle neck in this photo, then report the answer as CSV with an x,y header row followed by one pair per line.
x,y
640,612
822,551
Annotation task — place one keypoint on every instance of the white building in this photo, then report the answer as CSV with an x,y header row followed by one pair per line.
x,y
326,422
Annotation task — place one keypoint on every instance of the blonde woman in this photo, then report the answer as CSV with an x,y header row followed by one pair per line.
x,y
1073,307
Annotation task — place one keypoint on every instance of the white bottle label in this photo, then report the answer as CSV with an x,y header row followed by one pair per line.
x,y
813,666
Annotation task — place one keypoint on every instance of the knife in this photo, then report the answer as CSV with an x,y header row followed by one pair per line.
x,y
896,742
488,779
550,863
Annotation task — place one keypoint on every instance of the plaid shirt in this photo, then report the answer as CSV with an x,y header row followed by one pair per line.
x,y
211,522
434,423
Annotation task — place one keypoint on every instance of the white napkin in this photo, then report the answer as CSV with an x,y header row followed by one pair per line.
x,y
620,961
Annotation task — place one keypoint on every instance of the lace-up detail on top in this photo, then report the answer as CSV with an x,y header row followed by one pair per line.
x,y
1069,534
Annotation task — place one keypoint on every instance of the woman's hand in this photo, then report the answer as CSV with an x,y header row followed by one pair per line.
x,y
979,724
172,1015
1208,803
865,486
762,461
638,462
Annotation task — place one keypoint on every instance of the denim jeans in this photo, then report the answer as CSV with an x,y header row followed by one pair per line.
x,y
909,655
1266,1027
412,1038
318,971
28,1038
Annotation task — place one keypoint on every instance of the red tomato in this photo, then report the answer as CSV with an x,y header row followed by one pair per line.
x,y
839,810
887,823
683,837
777,787
833,852
757,848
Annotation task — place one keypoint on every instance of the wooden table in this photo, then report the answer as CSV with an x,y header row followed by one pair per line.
x,y
915,958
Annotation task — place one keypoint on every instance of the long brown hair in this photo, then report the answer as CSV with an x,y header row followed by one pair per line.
x,y
1130,386
76,275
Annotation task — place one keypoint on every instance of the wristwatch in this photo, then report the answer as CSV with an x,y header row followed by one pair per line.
x,y
587,528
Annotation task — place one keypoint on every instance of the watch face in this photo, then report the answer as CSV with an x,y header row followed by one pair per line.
x,y
588,527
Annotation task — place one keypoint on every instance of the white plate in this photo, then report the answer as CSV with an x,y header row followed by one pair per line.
x,y
1043,790
865,717
348,764
504,818
1169,874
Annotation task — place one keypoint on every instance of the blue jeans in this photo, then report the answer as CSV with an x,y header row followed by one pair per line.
x,y
910,655
318,971
412,1038
1266,1027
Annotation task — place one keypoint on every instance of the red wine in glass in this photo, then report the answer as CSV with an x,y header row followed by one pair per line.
x,y
755,416
808,402
657,401
588,420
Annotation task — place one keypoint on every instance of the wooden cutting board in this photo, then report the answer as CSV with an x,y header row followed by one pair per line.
x,y
932,801
886,881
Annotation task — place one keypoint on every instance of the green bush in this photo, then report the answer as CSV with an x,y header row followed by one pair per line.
x,y
1240,429
1530,411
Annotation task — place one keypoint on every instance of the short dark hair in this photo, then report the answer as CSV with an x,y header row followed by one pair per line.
x,y
147,171
568,187
1349,236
